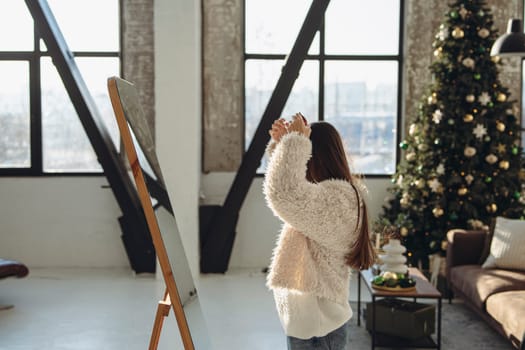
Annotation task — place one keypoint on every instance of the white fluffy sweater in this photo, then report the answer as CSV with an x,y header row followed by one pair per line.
x,y
319,224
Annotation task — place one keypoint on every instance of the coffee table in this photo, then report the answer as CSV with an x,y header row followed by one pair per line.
x,y
424,290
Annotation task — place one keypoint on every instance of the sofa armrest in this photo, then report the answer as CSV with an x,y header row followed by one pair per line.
x,y
464,247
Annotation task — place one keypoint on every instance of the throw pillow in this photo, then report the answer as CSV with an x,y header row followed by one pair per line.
x,y
508,242
488,240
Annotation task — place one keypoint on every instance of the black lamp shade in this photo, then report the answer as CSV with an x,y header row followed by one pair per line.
x,y
511,43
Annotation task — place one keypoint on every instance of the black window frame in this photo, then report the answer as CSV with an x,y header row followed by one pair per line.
x,y
321,58
34,59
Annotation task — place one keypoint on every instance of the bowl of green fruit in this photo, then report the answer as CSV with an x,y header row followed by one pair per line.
x,y
392,281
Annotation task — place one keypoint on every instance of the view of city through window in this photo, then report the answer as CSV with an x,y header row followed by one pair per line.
x,y
359,71
38,120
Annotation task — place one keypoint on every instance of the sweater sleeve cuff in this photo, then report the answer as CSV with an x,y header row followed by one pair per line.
x,y
297,142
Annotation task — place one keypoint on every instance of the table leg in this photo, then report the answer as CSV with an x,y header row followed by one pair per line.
x,y
439,325
373,322
359,299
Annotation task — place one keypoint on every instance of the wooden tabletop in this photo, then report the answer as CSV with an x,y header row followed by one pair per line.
x,y
423,287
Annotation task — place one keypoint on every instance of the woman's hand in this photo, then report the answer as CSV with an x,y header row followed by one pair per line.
x,y
300,125
278,129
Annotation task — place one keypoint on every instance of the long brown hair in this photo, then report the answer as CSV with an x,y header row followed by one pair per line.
x,y
329,161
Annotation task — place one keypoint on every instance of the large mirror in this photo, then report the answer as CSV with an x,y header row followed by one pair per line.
x,y
181,294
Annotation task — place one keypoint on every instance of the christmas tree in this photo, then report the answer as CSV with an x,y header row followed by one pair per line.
x,y
461,159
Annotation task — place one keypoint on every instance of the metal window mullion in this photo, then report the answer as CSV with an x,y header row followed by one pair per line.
x,y
16,55
360,57
35,98
35,92
321,70
400,60
263,56
96,54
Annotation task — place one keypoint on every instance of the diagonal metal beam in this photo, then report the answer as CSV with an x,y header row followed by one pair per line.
x,y
218,223
135,234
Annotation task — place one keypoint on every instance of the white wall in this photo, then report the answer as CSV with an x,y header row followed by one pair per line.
x,y
178,112
60,222
257,228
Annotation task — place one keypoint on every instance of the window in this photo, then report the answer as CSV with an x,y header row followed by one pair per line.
x,y
351,76
41,132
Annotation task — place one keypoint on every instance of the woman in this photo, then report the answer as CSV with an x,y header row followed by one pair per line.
x,y
308,185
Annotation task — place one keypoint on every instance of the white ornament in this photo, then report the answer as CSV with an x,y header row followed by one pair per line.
x,y
393,260
469,178
437,116
469,151
491,159
469,62
410,156
443,33
422,147
440,169
413,129
435,185
483,33
399,181
479,131
484,98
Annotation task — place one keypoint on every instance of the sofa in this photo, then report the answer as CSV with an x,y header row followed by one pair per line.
x,y
497,295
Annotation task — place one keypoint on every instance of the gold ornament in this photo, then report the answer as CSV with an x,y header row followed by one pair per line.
x,y
462,191
504,164
491,158
403,231
469,151
405,200
468,118
437,212
492,208
444,245
500,126
501,97
432,99
420,183
438,52
458,33
470,98
502,148
483,33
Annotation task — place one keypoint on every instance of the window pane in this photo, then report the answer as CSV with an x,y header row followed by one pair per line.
x,y
14,115
522,103
88,25
16,20
361,101
65,144
96,71
362,27
261,77
273,25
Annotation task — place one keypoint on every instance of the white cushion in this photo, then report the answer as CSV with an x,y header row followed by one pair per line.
x,y
508,245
